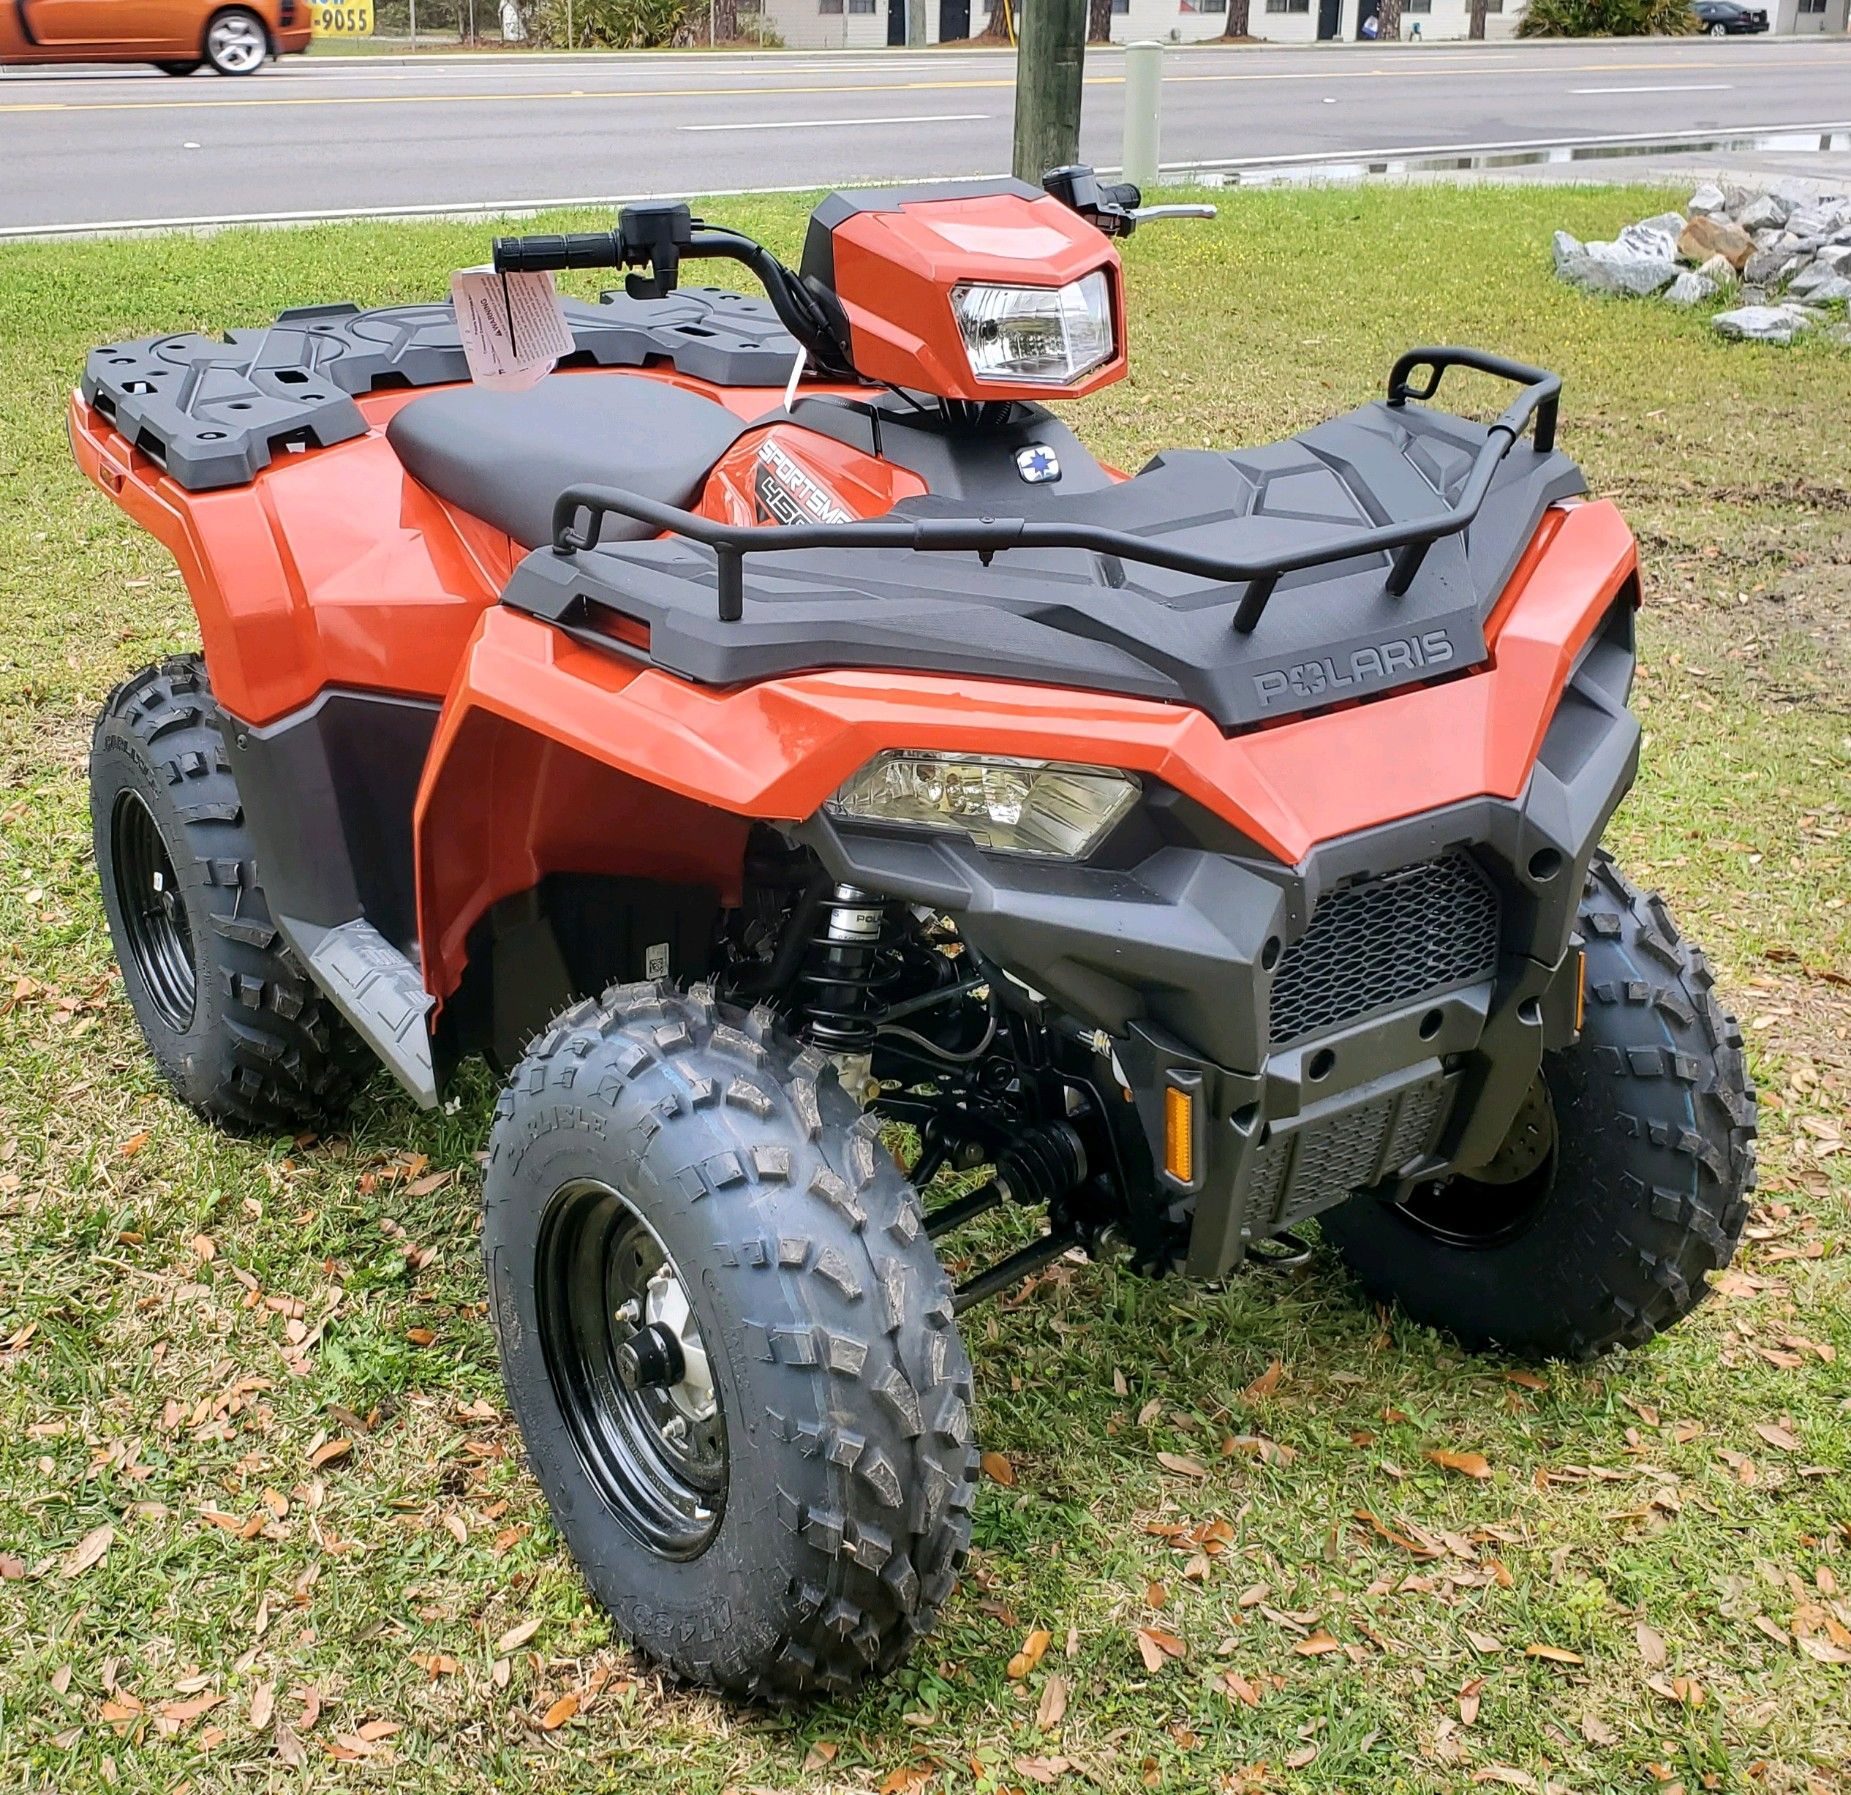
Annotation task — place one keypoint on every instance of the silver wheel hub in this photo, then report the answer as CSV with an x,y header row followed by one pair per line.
x,y
665,1305
236,43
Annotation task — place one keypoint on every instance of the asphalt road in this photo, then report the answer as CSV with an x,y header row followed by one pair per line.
x,y
128,146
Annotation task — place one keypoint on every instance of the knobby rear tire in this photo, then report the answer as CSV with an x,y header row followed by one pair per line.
x,y
262,1049
843,1385
1655,1162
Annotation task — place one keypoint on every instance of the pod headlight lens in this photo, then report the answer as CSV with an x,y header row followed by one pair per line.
x,y
1048,808
1045,336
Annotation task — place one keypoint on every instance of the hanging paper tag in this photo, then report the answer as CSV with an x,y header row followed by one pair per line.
x,y
513,327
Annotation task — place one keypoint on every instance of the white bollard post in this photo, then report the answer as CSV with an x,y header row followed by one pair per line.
x,y
1143,102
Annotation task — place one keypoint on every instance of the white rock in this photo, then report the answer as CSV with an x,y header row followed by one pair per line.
x,y
1612,267
1708,199
1837,259
1655,237
1833,290
1689,289
1814,274
1720,271
1762,323
1759,214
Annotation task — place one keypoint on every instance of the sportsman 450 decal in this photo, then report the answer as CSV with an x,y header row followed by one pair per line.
x,y
788,493
1330,676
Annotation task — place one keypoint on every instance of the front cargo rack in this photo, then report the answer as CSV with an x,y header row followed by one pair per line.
x,y
1408,541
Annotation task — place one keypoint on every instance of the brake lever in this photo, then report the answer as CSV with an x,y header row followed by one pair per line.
x,y
1149,214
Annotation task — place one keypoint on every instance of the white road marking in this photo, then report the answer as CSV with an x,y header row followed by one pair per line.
x,y
1689,87
822,124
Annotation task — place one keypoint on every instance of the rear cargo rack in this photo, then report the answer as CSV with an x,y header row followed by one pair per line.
x,y
987,536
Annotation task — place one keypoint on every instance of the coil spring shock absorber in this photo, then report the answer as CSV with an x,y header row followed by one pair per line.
x,y
842,972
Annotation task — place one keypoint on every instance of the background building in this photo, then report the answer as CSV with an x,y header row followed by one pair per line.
x,y
869,24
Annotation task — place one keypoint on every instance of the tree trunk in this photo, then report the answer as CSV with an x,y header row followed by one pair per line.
x,y
1240,18
1049,83
1098,21
1477,27
997,31
1388,20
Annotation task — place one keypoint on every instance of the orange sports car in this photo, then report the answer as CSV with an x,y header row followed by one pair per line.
x,y
177,36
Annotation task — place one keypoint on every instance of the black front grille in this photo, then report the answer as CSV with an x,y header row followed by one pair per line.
x,y
1422,930
1296,1173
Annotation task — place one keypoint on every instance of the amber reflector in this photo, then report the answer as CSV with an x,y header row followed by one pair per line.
x,y
1179,1135
1580,991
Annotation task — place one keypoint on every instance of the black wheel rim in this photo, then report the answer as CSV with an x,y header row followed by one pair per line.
x,y
160,941
657,1454
1474,1213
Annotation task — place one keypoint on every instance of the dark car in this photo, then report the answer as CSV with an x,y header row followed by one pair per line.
x,y
1726,18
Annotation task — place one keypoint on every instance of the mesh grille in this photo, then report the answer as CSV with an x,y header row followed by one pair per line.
x,y
1348,1152
1426,928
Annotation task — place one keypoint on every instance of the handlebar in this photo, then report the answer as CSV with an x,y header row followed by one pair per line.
x,y
658,236
576,249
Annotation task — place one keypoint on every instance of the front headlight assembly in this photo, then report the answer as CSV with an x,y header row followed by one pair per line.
x,y
1045,336
1043,807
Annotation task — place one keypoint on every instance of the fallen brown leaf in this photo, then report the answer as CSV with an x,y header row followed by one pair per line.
x,y
331,1452
1319,1643
1241,1689
1265,1384
1651,1646
89,1551
1034,1648
516,1637
910,1777
822,1752
559,1713
1555,1654
1183,1467
1468,1700
999,1470
1155,1645
263,1705
1467,1464
1053,1706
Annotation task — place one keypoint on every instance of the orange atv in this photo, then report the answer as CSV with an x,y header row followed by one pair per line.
x,y
774,738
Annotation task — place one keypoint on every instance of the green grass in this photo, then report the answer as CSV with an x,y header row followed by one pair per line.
x,y
157,1280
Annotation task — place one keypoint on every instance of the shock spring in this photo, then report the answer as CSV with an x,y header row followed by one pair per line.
x,y
843,971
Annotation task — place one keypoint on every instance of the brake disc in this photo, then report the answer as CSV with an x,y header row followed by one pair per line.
x,y
1528,1144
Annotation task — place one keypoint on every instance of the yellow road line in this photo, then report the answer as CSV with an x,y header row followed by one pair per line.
x,y
1429,73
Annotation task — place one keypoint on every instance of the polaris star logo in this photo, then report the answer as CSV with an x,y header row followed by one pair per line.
x,y
1037,464
1330,676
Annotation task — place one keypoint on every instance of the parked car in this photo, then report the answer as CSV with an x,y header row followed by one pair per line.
x,y
1728,18
177,36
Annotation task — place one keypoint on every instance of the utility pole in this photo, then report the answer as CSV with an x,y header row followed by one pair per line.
x,y
915,24
1049,63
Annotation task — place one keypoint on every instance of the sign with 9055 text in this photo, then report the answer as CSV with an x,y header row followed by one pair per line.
x,y
341,18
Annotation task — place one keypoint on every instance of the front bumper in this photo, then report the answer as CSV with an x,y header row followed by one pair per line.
x,y
1178,942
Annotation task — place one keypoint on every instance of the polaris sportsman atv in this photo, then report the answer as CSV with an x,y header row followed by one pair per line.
x,y
776,743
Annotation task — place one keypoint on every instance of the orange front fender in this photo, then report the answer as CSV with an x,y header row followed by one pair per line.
x,y
552,755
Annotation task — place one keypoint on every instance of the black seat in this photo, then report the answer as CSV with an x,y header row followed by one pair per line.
x,y
506,457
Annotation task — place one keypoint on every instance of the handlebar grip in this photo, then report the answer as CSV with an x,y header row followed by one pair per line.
x,y
576,249
1122,193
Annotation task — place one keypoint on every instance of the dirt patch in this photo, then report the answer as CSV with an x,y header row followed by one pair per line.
x,y
1802,629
